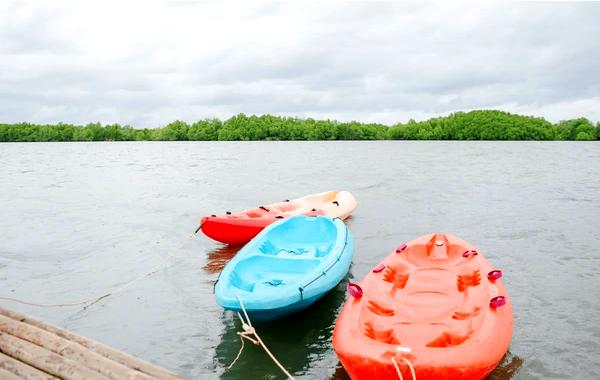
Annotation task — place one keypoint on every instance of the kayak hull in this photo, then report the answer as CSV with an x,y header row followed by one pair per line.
x,y
233,232
265,315
287,267
240,227
435,303
358,368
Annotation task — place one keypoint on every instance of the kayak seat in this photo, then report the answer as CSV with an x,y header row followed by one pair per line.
x,y
245,284
269,271
303,233
448,339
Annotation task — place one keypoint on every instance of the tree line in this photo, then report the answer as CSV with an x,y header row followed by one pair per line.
x,y
474,125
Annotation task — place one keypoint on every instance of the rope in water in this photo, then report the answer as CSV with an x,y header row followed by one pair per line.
x,y
408,363
93,300
250,331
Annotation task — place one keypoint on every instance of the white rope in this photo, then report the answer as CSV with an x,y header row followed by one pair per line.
x,y
403,350
238,355
92,300
412,370
247,333
397,368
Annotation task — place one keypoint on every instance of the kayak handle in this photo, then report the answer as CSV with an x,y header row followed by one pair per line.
x,y
497,301
355,290
470,253
379,268
401,248
494,275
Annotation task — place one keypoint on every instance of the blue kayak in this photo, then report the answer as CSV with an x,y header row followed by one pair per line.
x,y
287,267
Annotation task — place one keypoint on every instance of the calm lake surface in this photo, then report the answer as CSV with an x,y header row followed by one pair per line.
x,y
80,220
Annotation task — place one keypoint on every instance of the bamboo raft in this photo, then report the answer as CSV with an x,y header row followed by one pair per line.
x,y
31,349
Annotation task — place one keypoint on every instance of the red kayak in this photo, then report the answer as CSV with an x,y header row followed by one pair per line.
x,y
240,227
433,309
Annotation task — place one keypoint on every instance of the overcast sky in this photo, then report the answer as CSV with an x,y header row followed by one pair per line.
x,y
148,64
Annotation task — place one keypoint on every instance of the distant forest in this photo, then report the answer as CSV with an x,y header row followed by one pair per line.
x,y
474,125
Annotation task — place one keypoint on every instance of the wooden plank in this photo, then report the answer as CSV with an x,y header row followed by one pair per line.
x,y
22,370
102,349
45,360
5,375
70,350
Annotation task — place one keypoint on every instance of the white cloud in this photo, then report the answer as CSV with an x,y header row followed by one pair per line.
x,y
148,63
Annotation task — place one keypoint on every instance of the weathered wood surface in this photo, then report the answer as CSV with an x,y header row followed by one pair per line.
x,y
32,349
22,370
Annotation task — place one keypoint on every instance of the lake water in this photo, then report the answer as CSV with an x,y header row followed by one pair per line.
x,y
80,220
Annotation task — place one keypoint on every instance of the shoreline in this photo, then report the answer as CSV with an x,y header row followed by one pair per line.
x,y
481,125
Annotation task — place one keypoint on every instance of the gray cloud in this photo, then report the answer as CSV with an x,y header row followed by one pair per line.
x,y
383,62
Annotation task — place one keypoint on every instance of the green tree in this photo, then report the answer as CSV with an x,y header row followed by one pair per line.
x,y
206,130
174,131
584,136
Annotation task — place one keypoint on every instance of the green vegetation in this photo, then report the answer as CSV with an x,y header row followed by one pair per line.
x,y
494,125
474,125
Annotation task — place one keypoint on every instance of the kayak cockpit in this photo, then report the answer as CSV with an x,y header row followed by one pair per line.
x,y
269,272
286,253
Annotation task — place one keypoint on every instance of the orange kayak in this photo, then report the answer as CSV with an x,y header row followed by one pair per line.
x,y
240,227
433,309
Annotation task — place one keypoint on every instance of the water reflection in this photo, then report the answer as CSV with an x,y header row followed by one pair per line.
x,y
508,367
297,341
219,257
